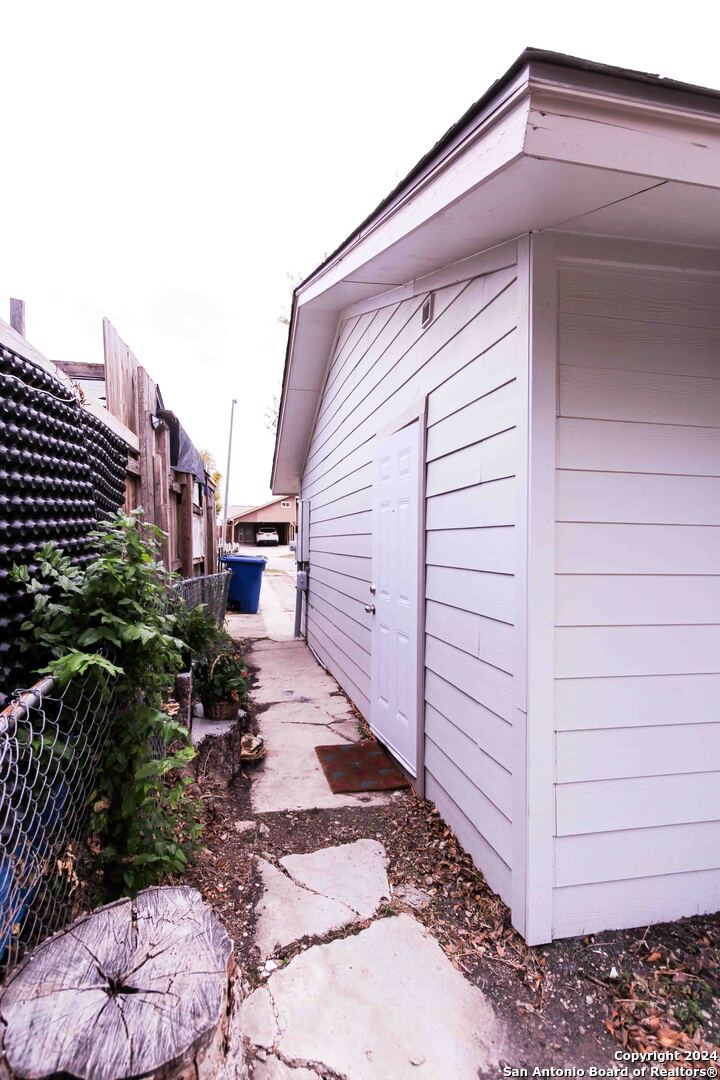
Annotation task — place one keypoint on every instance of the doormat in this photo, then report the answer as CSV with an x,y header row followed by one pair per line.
x,y
360,766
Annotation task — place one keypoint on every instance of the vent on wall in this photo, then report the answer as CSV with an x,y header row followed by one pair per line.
x,y
427,310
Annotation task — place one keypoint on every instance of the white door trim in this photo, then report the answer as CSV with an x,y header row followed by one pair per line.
x,y
417,413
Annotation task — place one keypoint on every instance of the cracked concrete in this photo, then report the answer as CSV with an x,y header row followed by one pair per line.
x,y
353,874
288,912
383,1003
319,893
304,711
272,1068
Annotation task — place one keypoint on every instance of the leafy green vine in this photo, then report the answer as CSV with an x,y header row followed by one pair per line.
x,y
111,624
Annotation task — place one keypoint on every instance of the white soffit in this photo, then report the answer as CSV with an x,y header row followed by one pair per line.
x,y
672,213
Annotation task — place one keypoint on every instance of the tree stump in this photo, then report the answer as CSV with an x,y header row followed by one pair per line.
x,y
137,988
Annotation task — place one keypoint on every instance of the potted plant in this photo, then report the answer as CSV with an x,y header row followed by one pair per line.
x,y
222,685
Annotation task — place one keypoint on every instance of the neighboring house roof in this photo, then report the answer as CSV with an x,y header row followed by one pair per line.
x,y
557,142
236,510
237,513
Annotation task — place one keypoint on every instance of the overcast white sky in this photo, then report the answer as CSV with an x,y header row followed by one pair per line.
x,y
167,164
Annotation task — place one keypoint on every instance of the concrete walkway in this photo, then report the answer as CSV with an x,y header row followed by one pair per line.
x,y
383,1003
275,619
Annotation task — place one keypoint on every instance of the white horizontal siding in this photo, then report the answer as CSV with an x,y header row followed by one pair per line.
x,y
496,870
644,397
487,730
606,599
484,772
492,459
617,446
637,803
585,909
640,296
478,421
486,638
636,498
477,807
353,544
600,341
355,566
591,548
346,623
637,605
636,702
670,849
491,503
491,548
488,685
642,751
465,363
491,595
348,525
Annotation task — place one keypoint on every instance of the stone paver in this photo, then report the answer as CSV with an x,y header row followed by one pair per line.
x,y
355,874
384,1003
326,890
201,728
288,912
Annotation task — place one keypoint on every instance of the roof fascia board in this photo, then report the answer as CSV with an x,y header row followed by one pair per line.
x,y
582,126
651,97
292,331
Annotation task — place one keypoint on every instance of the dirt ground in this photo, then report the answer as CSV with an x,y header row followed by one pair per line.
x,y
573,1003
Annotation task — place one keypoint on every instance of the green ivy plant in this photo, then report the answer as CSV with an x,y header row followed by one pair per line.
x,y
223,677
198,629
111,622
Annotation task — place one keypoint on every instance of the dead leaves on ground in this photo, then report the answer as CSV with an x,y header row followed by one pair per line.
x,y
651,1008
468,919
658,1005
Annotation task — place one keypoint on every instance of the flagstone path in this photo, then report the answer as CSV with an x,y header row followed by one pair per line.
x,y
368,994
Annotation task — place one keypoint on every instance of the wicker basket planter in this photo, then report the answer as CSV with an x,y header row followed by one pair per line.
x,y
221,710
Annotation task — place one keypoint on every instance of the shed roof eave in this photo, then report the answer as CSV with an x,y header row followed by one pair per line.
x,y
493,139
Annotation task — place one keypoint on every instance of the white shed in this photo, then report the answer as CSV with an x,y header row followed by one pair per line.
x,y
501,409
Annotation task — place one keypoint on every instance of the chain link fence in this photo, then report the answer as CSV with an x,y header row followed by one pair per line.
x,y
51,744
211,590
50,748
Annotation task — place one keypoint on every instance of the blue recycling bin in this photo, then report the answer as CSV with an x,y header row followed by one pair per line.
x,y
246,580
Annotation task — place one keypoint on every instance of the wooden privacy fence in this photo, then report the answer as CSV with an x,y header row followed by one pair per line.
x,y
180,502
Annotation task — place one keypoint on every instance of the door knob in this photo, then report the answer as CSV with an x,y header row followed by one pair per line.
x,y
370,608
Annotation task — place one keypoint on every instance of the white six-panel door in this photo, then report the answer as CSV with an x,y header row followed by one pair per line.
x,y
394,706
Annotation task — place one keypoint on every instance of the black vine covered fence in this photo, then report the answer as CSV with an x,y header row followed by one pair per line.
x,y
61,471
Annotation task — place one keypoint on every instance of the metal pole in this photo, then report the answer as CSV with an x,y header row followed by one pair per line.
x,y
223,537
